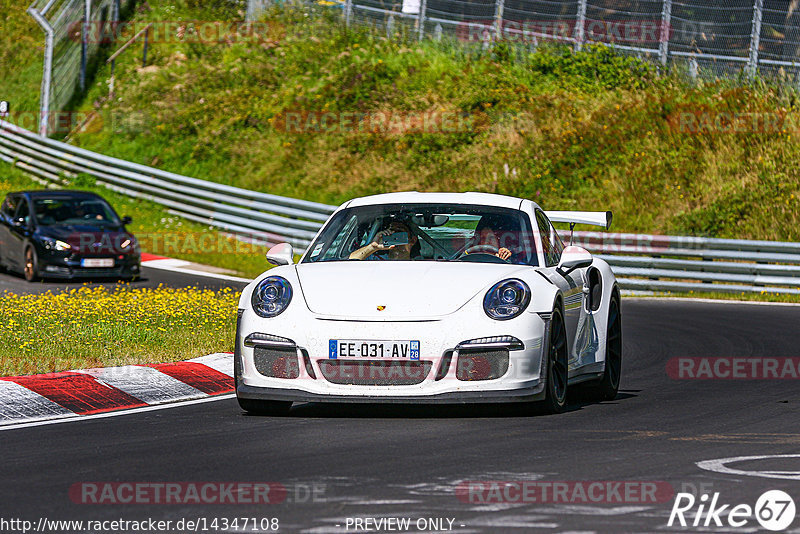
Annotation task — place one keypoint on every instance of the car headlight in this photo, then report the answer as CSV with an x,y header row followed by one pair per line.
x,y
271,296
507,299
55,244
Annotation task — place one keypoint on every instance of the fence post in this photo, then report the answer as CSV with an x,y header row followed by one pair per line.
x,y
87,16
144,49
423,7
47,74
498,19
580,25
663,45
755,38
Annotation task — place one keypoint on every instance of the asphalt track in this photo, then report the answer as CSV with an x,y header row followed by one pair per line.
x,y
399,461
15,283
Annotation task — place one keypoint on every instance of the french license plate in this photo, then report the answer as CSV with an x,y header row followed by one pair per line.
x,y
363,348
97,262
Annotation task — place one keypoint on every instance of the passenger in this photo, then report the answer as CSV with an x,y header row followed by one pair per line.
x,y
395,252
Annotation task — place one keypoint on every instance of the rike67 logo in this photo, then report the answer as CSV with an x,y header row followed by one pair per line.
x,y
774,510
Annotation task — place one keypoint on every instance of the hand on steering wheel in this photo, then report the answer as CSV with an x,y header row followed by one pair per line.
x,y
502,253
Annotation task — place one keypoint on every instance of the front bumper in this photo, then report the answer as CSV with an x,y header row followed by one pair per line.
x,y
523,380
68,266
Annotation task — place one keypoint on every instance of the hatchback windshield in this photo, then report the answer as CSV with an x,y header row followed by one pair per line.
x,y
73,211
426,232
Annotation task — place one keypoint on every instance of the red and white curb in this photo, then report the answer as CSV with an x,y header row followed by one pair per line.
x,y
84,392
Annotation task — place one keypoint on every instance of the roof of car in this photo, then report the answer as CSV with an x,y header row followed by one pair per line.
x,y
415,197
56,193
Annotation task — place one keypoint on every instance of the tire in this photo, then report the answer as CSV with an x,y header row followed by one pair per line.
x,y
607,387
555,400
31,268
262,407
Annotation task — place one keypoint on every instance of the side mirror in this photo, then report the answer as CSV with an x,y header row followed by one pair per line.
x,y
126,220
19,223
281,254
574,258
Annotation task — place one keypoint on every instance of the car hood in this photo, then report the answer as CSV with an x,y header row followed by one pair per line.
x,y
409,290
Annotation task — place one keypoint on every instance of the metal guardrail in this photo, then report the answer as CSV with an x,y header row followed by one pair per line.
x,y
262,217
641,262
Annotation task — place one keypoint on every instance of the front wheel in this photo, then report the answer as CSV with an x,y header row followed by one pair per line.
x,y
555,400
264,407
31,269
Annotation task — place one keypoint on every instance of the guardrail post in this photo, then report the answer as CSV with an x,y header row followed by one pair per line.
x,y
663,45
423,8
755,38
348,12
498,19
580,25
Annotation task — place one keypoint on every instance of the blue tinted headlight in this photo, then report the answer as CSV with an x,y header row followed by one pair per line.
x,y
271,296
507,299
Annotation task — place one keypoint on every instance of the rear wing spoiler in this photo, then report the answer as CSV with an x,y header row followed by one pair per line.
x,y
595,218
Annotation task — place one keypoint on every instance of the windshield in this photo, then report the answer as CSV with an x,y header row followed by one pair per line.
x,y
73,212
426,232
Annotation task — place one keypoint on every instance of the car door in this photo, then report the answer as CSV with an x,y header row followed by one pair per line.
x,y
7,211
571,284
19,234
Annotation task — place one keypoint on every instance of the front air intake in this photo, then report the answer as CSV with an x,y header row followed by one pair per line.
x,y
276,362
482,365
374,373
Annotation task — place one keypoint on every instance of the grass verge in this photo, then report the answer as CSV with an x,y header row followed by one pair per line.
x,y
97,327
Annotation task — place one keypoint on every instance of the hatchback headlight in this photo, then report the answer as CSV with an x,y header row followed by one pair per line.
x,y
55,244
507,299
271,296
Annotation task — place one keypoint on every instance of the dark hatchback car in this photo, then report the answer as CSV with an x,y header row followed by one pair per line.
x,y
65,234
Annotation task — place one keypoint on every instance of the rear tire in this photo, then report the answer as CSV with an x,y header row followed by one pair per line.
x,y
263,407
31,267
555,400
607,387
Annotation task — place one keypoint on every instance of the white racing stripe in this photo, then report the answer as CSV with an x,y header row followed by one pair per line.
x,y
180,266
145,383
719,465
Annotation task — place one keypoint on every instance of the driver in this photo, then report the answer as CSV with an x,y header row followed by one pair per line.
x,y
396,252
486,236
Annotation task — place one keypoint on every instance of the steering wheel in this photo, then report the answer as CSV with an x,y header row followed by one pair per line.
x,y
482,254
481,249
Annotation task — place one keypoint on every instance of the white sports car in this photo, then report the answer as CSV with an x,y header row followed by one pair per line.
x,y
431,298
